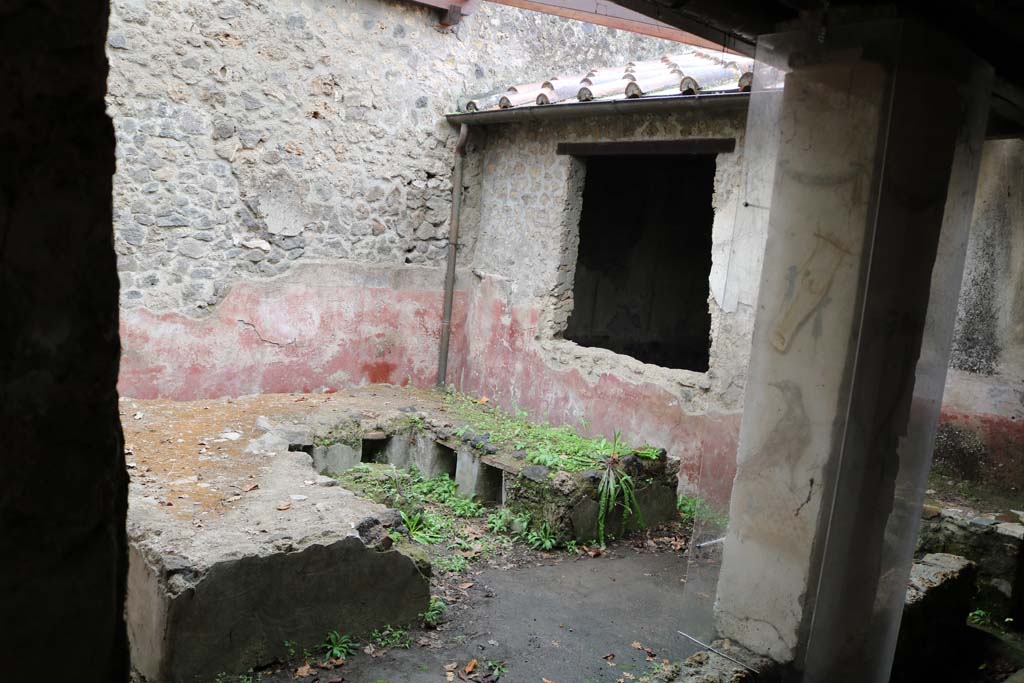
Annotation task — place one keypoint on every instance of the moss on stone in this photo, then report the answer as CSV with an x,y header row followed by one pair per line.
x,y
348,433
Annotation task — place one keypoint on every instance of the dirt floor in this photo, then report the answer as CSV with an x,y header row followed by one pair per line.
x,y
194,456
534,616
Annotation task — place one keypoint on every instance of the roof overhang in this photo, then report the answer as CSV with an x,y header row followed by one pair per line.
x,y
626,106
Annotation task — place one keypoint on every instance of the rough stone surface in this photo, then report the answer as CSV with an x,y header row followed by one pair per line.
x,y
997,549
223,594
335,459
657,505
252,136
63,490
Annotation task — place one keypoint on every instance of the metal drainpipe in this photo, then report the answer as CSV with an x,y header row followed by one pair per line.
x,y
453,243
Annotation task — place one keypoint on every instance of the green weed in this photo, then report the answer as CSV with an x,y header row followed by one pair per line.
x,y
615,484
500,522
434,613
451,564
696,509
391,636
465,507
444,491
542,537
426,527
561,448
336,645
497,667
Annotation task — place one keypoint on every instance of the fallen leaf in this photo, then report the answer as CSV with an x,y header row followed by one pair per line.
x,y
609,657
250,487
336,662
547,680
303,671
451,667
284,506
466,586
483,399
469,667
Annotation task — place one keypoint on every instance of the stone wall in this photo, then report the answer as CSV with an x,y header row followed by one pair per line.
x,y
254,137
520,298
981,437
63,488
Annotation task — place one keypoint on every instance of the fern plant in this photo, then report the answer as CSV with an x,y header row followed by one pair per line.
x,y
336,646
499,522
542,537
434,614
615,484
424,528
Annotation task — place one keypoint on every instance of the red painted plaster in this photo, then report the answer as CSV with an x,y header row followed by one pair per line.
x,y
1003,438
504,362
287,337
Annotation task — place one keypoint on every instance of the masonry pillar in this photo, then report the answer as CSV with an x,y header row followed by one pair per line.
x,y
63,487
880,131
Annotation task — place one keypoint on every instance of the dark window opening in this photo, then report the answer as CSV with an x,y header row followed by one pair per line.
x,y
447,461
641,286
374,450
489,485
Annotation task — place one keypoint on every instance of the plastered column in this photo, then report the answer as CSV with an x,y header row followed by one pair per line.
x,y
869,129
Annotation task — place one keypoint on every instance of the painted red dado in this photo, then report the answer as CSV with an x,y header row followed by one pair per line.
x,y
1003,440
302,334
503,362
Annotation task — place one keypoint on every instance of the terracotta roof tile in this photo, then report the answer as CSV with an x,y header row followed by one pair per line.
x,y
690,72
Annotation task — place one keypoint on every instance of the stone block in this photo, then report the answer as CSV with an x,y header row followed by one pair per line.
x,y
222,596
432,458
657,504
997,548
478,480
398,450
467,471
335,459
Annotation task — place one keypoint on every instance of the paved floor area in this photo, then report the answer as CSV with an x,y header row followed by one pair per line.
x,y
557,622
